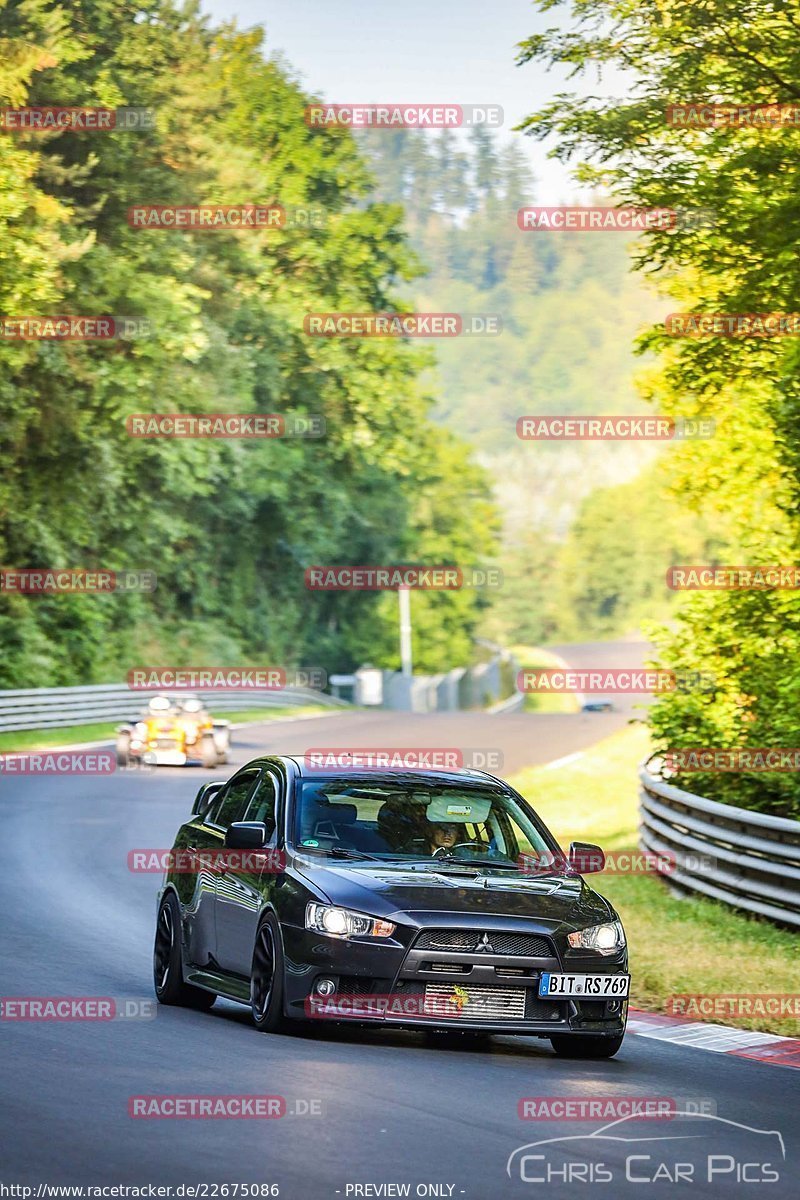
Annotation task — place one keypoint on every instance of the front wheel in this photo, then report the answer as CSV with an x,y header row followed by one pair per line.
x,y
123,748
574,1045
208,753
167,973
266,978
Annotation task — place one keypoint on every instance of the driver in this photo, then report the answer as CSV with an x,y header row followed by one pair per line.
x,y
443,838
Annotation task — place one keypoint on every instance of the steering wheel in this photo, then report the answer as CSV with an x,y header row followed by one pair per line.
x,y
461,846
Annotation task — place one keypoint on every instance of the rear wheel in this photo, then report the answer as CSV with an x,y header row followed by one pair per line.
x,y
574,1045
266,978
167,973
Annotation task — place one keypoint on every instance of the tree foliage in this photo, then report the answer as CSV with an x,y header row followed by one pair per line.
x,y
741,258
229,526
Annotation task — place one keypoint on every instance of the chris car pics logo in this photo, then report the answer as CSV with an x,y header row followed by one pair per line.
x,y
692,1149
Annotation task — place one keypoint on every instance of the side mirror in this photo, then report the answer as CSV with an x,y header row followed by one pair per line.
x,y
586,858
204,797
246,835
202,801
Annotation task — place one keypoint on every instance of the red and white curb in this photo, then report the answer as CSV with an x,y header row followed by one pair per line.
x,y
768,1048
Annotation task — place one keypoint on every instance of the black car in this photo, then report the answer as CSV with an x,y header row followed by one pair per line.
x,y
431,899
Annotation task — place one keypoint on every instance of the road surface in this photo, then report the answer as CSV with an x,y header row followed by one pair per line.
x,y
365,1109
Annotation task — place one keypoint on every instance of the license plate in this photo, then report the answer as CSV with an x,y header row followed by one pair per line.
x,y
599,987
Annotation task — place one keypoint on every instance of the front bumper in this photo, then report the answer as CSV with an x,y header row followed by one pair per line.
x,y
163,757
396,983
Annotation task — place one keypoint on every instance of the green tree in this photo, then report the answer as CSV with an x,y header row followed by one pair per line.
x,y
740,257
229,527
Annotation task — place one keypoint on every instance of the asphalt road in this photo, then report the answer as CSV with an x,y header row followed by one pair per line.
x,y
363,1107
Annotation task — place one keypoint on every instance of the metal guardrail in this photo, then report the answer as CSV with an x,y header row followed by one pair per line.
x,y
53,708
752,860
512,704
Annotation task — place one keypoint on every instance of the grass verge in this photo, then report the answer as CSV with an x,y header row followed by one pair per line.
x,y
678,945
45,739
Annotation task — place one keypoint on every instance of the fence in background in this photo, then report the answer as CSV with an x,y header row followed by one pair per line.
x,y
754,858
478,687
52,708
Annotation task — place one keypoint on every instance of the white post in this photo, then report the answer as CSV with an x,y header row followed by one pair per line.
x,y
404,597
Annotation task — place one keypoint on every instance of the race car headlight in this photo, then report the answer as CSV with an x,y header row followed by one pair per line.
x,y
340,922
602,939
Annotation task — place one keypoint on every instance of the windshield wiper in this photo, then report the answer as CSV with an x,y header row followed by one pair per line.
x,y
477,864
347,852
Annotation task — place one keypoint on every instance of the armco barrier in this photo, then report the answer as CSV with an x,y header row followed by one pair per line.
x,y
52,708
462,689
756,858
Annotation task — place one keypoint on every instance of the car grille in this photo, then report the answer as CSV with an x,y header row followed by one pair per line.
x,y
475,1003
469,941
354,985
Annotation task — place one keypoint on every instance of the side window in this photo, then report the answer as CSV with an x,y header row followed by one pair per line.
x,y
263,803
232,801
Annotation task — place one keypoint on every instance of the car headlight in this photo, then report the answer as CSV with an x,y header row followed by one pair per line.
x,y
341,922
602,939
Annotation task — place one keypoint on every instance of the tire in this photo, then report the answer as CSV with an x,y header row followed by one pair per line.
x,y
167,973
575,1045
208,752
267,978
123,749
223,745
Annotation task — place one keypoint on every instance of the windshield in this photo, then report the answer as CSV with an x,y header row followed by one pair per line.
x,y
417,821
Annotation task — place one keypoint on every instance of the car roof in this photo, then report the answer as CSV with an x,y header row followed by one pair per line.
x,y
459,775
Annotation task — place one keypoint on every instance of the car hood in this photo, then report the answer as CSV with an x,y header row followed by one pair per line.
x,y
393,892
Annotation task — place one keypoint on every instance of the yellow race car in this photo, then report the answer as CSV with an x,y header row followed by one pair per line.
x,y
173,732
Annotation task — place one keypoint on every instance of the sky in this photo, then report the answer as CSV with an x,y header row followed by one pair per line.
x,y
462,51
